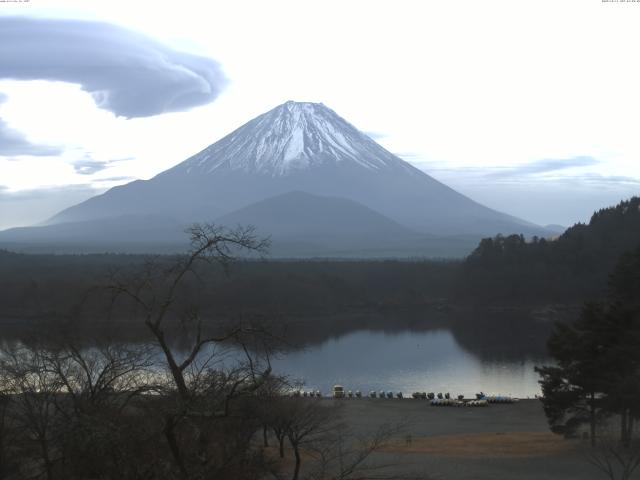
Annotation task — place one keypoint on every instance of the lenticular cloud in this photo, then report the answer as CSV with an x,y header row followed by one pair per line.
x,y
127,73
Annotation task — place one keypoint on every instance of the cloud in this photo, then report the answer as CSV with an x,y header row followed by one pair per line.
x,y
544,166
114,179
126,72
13,142
595,179
89,166
409,156
548,173
544,170
6,194
29,207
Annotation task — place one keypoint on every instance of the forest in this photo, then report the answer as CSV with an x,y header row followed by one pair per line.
x,y
569,269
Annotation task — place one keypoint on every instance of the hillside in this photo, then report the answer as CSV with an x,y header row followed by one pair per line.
x,y
575,266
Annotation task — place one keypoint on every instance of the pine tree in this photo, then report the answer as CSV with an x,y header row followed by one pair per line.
x,y
598,360
573,390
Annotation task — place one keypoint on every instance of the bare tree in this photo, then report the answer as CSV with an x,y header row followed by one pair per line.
x,y
65,405
155,290
279,422
99,374
34,391
310,421
204,389
267,406
616,458
4,434
329,448
346,456
274,413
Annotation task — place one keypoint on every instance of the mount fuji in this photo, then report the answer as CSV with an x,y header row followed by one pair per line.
x,y
299,172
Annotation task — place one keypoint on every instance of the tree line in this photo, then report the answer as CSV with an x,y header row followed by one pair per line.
x,y
48,286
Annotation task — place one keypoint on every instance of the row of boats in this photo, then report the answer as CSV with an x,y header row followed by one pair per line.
x,y
478,402
312,393
451,402
438,400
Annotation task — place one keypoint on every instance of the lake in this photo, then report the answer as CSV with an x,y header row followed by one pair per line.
x,y
494,354
409,361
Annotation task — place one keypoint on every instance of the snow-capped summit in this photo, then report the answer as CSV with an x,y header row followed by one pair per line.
x,y
292,136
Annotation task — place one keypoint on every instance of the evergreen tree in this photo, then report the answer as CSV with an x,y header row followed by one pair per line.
x,y
598,360
623,391
573,389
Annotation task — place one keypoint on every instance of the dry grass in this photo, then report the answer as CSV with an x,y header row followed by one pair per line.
x,y
483,445
273,453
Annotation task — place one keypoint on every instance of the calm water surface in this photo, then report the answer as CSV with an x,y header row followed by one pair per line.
x,y
409,361
460,361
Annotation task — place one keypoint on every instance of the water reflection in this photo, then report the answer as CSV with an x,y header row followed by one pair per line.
x,y
461,353
408,361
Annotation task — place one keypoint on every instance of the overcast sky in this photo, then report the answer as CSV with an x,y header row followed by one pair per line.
x,y
530,107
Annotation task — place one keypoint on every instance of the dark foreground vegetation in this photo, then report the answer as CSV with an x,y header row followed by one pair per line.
x,y
596,379
72,410
179,405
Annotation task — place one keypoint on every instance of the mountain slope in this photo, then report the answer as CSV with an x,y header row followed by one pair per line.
x,y
300,147
303,214
300,223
